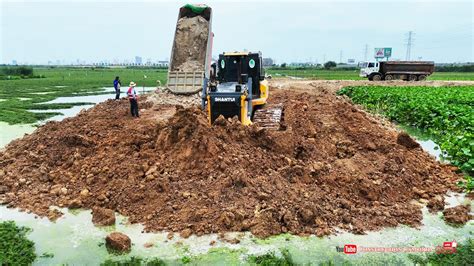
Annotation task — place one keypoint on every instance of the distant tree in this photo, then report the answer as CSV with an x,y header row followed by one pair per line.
x,y
17,71
330,64
283,65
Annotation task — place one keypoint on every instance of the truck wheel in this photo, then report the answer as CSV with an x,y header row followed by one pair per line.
x,y
388,77
421,77
412,77
377,77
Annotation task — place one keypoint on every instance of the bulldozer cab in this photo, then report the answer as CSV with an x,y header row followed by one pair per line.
x,y
238,88
238,68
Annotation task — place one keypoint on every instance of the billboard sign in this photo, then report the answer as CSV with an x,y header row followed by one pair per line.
x,y
383,52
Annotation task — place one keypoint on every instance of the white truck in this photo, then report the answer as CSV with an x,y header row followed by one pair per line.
x,y
389,70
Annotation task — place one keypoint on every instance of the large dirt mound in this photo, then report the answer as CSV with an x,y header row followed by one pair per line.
x,y
333,167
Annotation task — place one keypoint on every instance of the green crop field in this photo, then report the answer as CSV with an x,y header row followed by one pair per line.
x,y
452,76
316,74
354,74
446,113
17,96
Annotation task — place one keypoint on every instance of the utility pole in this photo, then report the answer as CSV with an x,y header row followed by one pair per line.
x,y
409,44
366,52
340,56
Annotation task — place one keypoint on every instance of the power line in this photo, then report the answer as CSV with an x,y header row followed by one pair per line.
x,y
366,52
409,44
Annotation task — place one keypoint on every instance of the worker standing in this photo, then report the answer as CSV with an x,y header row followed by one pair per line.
x,y
132,96
117,85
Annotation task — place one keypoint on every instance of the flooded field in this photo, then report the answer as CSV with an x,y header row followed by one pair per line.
x,y
11,132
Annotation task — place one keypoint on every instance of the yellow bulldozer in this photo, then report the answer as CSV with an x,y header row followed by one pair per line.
x,y
238,87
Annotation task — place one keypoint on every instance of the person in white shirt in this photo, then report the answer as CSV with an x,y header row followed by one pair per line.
x,y
132,96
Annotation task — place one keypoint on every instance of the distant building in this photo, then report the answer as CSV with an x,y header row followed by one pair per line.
x,y
14,62
343,65
267,62
304,64
138,60
163,63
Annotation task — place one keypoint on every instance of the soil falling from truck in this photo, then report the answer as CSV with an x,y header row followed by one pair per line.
x,y
190,44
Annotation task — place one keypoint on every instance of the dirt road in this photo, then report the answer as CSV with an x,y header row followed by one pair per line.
x,y
334,167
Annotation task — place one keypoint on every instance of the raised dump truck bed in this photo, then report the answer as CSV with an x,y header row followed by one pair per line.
x,y
191,53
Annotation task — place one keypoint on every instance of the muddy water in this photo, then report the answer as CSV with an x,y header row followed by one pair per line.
x,y
109,93
11,132
425,141
73,239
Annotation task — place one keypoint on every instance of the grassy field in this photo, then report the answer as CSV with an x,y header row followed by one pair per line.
x,y
20,95
316,74
354,74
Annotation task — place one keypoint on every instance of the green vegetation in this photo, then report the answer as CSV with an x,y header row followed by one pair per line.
x,y
270,259
344,74
329,64
134,261
452,76
446,113
17,72
455,68
315,73
15,248
464,255
186,259
20,95
47,255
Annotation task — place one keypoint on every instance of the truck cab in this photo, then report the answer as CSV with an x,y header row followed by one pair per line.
x,y
367,69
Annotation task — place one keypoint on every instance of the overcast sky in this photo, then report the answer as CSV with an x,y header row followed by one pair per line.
x,y
39,31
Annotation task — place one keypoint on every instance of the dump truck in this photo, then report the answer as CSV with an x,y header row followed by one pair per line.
x,y
390,70
191,53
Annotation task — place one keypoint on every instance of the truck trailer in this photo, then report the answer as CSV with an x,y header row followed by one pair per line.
x,y
390,70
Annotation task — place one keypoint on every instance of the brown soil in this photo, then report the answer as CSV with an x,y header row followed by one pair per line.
x,y
335,166
118,242
457,215
190,44
405,140
103,216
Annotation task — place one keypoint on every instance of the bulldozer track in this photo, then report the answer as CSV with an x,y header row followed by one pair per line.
x,y
269,117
